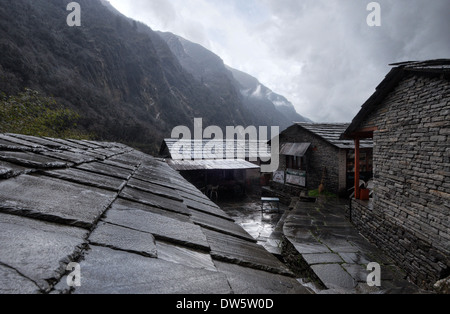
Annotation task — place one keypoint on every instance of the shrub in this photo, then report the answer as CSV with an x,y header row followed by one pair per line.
x,y
31,113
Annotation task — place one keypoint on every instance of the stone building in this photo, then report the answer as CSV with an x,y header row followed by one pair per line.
x,y
310,153
408,118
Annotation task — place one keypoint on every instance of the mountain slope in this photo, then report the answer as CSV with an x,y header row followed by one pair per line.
x,y
256,93
265,107
125,83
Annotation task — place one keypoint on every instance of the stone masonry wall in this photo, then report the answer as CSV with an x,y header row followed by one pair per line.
x,y
326,155
410,218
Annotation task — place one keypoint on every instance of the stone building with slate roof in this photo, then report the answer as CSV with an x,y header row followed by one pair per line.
x,y
318,152
132,224
408,118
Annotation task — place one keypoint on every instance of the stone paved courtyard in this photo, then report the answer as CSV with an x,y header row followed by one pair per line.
x,y
326,241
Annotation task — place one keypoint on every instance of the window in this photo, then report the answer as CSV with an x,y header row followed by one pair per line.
x,y
294,162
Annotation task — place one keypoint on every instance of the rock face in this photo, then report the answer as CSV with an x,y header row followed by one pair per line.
x,y
130,222
264,103
264,107
119,75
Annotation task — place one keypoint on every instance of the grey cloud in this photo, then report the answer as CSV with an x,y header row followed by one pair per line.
x,y
342,59
345,59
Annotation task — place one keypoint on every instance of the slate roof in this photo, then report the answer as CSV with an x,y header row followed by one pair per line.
x,y
331,132
251,149
438,67
132,223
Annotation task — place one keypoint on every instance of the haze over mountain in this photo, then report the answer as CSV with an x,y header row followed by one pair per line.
x,y
118,74
257,96
267,107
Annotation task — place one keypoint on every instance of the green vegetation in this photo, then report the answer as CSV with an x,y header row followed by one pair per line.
x,y
31,113
315,193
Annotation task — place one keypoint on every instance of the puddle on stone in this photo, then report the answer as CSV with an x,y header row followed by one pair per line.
x,y
247,213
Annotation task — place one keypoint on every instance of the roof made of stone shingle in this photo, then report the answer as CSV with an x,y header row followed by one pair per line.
x,y
132,223
331,132
438,67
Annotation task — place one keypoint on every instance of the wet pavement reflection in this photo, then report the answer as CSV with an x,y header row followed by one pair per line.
x,y
260,224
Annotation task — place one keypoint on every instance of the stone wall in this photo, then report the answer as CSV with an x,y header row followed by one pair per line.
x,y
410,218
320,154
285,191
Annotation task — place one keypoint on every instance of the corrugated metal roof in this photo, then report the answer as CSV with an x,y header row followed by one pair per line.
x,y
224,164
294,149
331,132
217,149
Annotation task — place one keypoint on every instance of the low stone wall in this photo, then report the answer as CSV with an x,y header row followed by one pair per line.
x,y
286,191
416,256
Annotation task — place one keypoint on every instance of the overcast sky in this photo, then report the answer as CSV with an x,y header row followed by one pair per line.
x,y
320,54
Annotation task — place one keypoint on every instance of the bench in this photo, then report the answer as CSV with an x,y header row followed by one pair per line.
x,y
270,200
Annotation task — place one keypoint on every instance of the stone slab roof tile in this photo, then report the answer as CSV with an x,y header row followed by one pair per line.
x,y
160,226
127,158
11,142
69,156
105,169
154,200
34,249
252,281
32,160
120,164
221,225
87,178
15,283
207,209
155,189
126,239
8,170
70,144
245,253
332,132
117,272
185,256
53,199
123,204
40,141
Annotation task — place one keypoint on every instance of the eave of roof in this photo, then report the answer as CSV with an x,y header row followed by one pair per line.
x,y
331,133
221,164
430,67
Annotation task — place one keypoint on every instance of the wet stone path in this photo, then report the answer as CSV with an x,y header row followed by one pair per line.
x,y
326,242
337,253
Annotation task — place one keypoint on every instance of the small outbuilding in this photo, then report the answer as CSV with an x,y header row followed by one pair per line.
x,y
312,154
207,164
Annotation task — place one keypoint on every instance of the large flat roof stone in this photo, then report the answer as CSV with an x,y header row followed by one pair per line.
x,y
53,199
114,272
